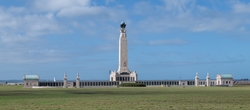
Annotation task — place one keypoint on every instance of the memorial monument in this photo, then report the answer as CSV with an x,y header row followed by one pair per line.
x,y
123,73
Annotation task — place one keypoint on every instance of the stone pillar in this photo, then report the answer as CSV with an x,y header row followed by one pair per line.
x,y
123,50
208,80
113,75
65,81
78,81
196,80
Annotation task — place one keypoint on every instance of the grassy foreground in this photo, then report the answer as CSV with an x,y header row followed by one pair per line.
x,y
153,98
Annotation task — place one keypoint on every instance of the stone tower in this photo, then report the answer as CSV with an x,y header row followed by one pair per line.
x,y
208,80
196,80
123,50
78,81
123,73
65,81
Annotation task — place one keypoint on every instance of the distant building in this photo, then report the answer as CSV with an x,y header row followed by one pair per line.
x,y
31,80
221,80
224,79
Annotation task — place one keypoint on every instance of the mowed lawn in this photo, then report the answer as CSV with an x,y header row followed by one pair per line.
x,y
153,98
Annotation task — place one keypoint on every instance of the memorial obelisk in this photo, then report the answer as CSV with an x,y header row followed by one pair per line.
x,y
123,50
123,73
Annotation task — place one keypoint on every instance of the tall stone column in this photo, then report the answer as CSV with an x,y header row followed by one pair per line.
x,y
78,81
123,50
208,80
196,80
65,81
123,73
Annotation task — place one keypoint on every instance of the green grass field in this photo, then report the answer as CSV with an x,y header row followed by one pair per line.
x,y
153,98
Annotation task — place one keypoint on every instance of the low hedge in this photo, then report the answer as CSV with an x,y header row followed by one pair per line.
x,y
221,86
132,85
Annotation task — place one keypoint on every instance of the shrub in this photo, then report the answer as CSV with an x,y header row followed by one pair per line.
x,y
221,85
132,85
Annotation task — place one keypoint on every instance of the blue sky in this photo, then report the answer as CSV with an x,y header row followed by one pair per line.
x,y
166,38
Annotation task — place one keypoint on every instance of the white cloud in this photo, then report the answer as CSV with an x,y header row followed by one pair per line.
x,y
79,11
169,42
21,31
25,26
202,8
241,8
16,10
99,13
109,1
179,6
186,15
31,56
242,28
58,5
76,8
214,24
106,47
143,8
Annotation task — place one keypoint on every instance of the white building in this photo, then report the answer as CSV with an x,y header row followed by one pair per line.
x,y
221,80
224,79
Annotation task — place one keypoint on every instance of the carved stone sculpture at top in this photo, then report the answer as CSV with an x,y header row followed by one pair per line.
x,y
123,25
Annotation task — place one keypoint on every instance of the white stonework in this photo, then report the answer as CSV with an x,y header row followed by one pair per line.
x,y
31,80
224,79
124,76
208,80
123,52
196,79
123,73
70,85
78,81
221,80
65,81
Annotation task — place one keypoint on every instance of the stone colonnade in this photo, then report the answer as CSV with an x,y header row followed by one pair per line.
x,y
125,79
59,84
116,83
206,82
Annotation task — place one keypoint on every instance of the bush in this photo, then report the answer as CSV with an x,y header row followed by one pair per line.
x,y
221,85
132,85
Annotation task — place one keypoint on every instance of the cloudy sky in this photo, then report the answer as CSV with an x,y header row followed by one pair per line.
x,y
167,39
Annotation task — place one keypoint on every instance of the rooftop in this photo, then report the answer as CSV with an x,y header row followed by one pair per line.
x,y
226,75
31,77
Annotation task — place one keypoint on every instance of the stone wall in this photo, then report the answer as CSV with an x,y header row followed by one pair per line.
x,y
30,83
